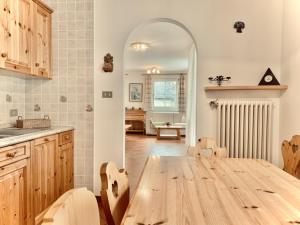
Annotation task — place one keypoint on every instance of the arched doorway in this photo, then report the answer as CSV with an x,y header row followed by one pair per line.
x,y
160,67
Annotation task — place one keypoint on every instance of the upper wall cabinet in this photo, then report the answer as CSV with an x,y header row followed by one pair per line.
x,y
25,37
42,40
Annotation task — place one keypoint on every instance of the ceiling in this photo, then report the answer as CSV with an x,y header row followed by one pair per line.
x,y
169,48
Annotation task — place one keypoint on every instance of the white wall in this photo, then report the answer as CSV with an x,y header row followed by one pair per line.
x,y
290,104
221,50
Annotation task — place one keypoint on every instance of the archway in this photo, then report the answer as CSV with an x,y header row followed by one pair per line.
x,y
169,51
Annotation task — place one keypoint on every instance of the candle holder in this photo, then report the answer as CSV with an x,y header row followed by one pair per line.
x,y
219,79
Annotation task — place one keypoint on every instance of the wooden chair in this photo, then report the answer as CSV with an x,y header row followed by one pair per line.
x,y
219,152
291,156
114,192
75,207
207,147
204,147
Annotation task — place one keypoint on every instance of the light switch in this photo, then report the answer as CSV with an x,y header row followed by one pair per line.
x,y
107,94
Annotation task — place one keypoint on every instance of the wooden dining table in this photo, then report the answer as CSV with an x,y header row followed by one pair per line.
x,y
196,191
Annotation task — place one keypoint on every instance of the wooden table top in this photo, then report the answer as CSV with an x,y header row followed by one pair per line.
x,y
186,190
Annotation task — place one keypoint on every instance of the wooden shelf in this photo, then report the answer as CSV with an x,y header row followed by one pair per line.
x,y
247,88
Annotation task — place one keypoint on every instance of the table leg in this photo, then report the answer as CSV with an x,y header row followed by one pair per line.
x,y
178,134
158,133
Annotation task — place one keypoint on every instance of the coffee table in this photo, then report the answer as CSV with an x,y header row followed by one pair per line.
x,y
177,128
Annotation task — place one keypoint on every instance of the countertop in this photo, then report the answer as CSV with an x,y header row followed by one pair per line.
x,y
36,133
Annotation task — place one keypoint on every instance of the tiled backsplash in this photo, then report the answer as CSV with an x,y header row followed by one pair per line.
x,y
12,96
65,98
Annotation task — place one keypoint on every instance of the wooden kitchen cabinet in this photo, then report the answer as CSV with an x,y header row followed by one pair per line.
x,y
25,37
16,35
15,188
44,172
41,65
66,162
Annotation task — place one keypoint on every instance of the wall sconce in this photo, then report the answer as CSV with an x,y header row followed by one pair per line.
x,y
239,26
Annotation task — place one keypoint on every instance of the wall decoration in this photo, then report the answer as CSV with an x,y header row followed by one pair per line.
x,y
108,66
135,92
269,78
219,79
239,26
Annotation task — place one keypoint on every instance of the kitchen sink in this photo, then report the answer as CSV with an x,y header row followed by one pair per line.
x,y
5,136
9,132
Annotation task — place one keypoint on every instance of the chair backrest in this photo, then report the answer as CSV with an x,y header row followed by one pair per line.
x,y
207,147
291,156
75,207
204,147
220,153
114,192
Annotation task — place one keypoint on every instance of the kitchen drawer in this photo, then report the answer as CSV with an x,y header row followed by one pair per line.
x,y
44,140
14,153
65,138
10,168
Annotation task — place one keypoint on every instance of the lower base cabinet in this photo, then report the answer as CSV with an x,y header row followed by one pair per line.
x,y
15,194
44,155
33,175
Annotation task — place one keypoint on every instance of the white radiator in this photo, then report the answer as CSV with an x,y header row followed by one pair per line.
x,y
245,128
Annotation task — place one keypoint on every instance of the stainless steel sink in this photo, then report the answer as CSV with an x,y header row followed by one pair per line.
x,y
9,132
5,136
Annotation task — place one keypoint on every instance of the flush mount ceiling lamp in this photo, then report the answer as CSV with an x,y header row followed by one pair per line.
x,y
139,46
153,70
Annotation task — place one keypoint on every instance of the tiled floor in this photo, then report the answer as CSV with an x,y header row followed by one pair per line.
x,y
138,148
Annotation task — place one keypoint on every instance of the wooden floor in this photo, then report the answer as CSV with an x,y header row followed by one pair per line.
x,y
138,148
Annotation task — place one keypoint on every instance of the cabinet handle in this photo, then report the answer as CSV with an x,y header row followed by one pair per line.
x,y
26,51
37,64
4,55
67,138
11,154
46,139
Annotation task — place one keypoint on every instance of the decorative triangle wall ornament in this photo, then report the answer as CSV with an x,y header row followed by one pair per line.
x,y
269,78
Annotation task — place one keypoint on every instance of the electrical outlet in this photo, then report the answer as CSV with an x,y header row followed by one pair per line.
x,y
13,112
107,94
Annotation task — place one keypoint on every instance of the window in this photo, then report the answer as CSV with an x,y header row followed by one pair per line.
x,y
165,95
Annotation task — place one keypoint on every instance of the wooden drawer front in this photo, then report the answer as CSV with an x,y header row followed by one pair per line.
x,y
14,153
4,170
44,140
65,138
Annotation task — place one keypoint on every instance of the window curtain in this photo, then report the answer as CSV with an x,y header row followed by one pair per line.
x,y
182,97
148,93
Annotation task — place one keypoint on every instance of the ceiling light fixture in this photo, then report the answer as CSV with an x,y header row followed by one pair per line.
x,y
139,46
153,70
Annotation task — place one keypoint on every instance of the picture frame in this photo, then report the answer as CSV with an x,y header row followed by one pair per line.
x,y
135,92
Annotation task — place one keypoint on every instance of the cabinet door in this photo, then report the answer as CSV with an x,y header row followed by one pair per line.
x,y
44,158
42,39
3,32
65,167
15,194
18,39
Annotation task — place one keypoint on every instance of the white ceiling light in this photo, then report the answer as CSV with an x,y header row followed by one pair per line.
x,y
153,70
139,46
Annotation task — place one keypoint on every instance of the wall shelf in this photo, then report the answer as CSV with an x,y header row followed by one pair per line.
x,y
247,88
